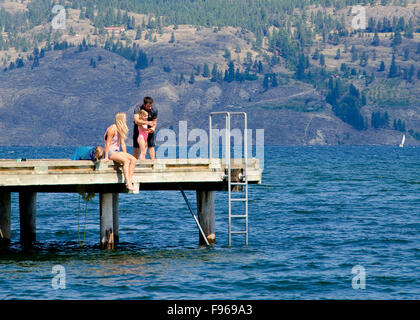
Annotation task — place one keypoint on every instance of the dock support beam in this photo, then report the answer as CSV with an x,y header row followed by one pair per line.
x,y
5,219
106,220
27,212
205,208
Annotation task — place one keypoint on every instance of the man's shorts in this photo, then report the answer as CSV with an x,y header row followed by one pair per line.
x,y
150,138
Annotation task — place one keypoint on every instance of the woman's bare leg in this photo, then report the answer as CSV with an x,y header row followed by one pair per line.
x,y
132,166
121,157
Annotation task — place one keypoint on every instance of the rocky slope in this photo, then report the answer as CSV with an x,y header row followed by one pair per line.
x,y
65,101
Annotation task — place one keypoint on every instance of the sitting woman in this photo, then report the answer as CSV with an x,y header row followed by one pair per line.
x,y
116,149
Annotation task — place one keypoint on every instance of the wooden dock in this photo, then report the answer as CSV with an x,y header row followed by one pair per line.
x,y
29,177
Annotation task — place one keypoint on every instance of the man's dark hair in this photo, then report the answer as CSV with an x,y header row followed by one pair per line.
x,y
147,100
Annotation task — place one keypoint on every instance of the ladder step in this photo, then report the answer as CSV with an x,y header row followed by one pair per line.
x,y
238,199
238,232
239,216
238,183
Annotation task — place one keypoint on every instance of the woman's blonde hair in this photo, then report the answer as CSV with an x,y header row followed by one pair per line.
x,y
121,123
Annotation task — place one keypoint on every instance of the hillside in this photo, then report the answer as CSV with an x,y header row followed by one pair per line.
x,y
85,75
67,102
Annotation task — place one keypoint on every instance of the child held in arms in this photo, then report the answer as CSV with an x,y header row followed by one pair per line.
x,y
143,134
89,153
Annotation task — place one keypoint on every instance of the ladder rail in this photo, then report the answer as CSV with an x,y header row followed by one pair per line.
x,y
229,168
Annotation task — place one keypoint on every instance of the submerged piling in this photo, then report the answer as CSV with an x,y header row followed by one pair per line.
x,y
205,208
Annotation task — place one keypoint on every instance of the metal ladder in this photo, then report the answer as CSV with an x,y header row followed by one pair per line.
x,y
244,182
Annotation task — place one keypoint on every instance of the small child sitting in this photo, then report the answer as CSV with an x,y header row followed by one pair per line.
x,y
89,153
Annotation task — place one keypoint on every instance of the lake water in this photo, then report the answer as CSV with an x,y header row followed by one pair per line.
x,y
319,212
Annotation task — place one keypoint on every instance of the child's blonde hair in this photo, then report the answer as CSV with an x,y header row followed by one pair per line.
x,y
121,123
99,152
143,113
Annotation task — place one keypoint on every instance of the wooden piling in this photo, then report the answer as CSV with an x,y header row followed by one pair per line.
x,y
5,209
205,208
115,198
27,213
106,220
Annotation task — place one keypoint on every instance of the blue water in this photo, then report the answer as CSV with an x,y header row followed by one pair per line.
x,y
319,212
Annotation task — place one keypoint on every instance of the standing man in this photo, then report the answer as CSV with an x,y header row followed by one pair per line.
x,y
151,122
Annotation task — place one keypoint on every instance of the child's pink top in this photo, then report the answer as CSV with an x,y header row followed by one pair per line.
x,y
143,132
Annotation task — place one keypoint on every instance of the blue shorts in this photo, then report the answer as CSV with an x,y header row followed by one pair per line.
x,y
110,153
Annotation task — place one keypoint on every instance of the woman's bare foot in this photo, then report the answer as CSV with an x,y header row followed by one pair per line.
x,y
130,187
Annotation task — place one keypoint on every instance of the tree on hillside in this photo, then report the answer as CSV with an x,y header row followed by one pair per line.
x,y
376,40
36,62
399,125
266,82
406,54
348,110
396,39
231,71
409,30
142,61
364,59
300,68
411,73
172,40
19,63
138,34
322,60
206,70
315,56
338,54
214,72
378,120
354,54
260,67
381,66
393,69
274,82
